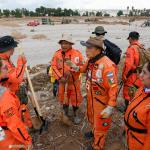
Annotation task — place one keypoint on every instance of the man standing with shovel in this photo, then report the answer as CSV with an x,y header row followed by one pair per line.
x,y
15,74
69,82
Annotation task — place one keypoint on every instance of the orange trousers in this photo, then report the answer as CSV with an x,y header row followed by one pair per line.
x,y
100,126
73,93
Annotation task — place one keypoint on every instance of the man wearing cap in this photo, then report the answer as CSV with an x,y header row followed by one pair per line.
x,y
101,88
69,82
15,74
129,74
99,31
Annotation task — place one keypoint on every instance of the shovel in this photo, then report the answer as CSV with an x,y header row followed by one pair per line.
x,y
34,101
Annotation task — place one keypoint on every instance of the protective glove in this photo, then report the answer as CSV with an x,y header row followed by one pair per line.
x,y
72,65
107,112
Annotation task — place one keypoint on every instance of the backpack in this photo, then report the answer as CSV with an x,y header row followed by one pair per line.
x,y
112,51
144,56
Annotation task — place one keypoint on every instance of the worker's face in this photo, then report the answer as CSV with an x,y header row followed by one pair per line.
x,y
145,76
4,71
65,46
10,52
91,52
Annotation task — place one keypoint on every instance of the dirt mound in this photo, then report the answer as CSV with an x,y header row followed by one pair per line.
x,y
18,35
8,24
39,37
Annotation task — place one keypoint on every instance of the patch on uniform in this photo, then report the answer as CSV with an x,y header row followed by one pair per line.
x,y
100,80
9,112
105,124
110,74
99,74
111,81
100,66
98,92
76,60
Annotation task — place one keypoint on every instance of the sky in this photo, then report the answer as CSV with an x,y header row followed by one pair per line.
x,y
75,4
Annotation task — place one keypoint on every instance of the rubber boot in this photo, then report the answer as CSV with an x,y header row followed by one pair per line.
x,y
88,135
77,119
66,108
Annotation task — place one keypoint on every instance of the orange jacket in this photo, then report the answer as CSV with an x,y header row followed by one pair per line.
x,y
102,80
59,68
131,60
10,116
137,117
15,74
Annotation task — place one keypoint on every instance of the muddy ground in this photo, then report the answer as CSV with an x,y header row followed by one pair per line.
x,y
59,136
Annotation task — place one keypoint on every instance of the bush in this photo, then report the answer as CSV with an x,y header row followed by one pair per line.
x,y
120,13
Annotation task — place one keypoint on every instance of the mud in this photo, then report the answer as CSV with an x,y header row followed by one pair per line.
x,y
61,137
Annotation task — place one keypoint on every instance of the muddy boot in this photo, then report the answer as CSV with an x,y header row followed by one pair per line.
x,y
88,135
77,119
66,109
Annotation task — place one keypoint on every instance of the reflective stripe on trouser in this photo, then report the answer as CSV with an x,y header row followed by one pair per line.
x,y
74,96
10,140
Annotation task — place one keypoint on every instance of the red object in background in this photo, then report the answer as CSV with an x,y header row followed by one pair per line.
x,y
33,23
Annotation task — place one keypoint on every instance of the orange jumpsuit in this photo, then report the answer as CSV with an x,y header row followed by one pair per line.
x,y
129,74
137,120
101,91
15,78
59,68
10,121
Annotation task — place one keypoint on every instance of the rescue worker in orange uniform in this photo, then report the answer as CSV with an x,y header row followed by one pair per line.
x,y
69,82
137,116
15,74
15,131
101,89
129,74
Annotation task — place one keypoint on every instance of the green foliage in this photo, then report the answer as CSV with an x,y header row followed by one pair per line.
x,y
120,13
106,15
6,12
99,13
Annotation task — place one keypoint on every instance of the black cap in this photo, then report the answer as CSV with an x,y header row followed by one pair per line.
x,y
6,43
134,35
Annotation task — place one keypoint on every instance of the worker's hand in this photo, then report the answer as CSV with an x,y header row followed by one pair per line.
x,y
107,112
62,80
30,147
22,59
72,65
67,74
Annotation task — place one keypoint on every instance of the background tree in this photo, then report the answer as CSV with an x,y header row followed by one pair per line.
x,y
120,13
6,12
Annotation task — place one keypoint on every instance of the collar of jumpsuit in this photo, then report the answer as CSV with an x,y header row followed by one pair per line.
x,y
4,56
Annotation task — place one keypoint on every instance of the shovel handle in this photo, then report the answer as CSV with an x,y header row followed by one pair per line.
x,y
32,89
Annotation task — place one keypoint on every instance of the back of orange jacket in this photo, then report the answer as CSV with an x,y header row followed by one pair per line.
x,y
129,74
